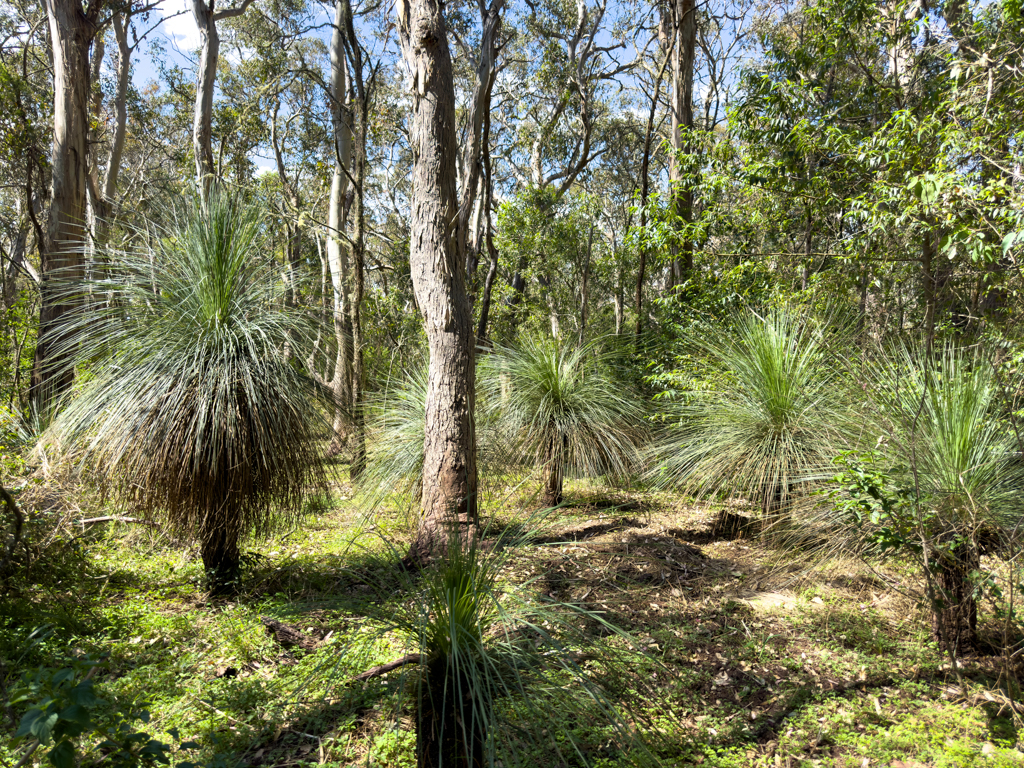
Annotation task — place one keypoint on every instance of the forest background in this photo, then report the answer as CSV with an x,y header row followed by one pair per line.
x,y
412,209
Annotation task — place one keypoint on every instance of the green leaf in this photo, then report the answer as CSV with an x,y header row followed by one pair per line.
x,y
43,726
27,722
84,694
76,713
63,755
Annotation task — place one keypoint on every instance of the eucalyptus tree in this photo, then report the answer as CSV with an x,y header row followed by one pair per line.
x,y
476,182
438,276
556,99
355,71
131,25
73,27
678,37
206,79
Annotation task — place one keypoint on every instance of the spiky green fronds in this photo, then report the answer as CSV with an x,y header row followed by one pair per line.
x,y
944,436
493,661
195,405
397,418
561,406
771,419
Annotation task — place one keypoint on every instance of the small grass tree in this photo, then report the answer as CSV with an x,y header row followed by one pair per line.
x,y
958,472
564,409
496,675
196,406
768,419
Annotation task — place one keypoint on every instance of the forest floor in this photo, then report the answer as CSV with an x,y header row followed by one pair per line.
x,y
752,656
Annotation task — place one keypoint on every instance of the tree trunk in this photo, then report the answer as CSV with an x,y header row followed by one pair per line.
x,y
683,18
929,285
61,253
472,159
554,480
341,382
356,94
488,236
955,615
438,277
492,250
451,731
221,561
585,287
202,122
124,52
358,464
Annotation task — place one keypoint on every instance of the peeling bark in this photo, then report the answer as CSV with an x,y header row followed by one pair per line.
x,y
72,30
438,276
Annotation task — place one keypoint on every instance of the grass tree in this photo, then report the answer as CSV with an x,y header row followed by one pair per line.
x,y
962,466
562,406
491,666
194,407
766,421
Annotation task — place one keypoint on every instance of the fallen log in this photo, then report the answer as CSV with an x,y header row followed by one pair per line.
x,y
289,637
383,669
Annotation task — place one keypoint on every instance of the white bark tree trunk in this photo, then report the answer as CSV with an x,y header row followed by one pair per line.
x,y
72,30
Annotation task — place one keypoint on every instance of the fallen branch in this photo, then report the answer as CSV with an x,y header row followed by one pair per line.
x,y
383,669
290,637
116,519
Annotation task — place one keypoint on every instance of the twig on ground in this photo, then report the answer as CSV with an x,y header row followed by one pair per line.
x,y
383,669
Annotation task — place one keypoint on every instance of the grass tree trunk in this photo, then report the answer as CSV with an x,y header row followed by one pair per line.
x,y
438,277
955,614
554,481
221,560
72,30
450,730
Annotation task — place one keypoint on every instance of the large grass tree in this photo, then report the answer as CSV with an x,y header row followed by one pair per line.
x,y
194,407
766,418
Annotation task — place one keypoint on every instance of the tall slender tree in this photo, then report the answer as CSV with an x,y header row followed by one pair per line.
x,y
202,125
679,38
73,28
438,276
